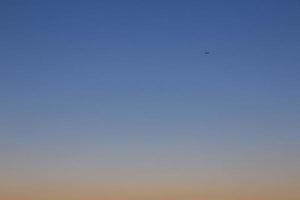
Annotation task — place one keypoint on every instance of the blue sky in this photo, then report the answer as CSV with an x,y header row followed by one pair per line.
x,y
130,80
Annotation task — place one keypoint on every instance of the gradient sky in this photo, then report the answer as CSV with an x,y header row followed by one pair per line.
x,y
117,100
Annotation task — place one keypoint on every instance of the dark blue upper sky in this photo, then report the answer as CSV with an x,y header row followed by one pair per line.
x,y
138,66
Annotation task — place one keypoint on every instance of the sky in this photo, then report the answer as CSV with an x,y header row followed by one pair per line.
x,y
117,100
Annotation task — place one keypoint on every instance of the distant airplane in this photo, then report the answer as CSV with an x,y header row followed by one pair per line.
x,y
206,52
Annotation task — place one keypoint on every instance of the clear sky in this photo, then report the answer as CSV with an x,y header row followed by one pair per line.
x,y
117,100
